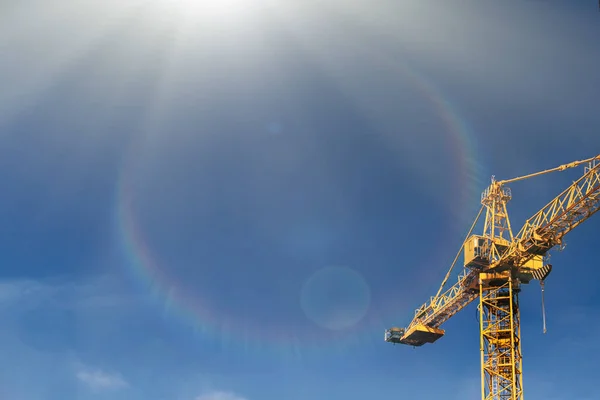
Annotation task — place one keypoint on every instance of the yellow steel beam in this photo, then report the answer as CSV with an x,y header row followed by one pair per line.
x,y
499,323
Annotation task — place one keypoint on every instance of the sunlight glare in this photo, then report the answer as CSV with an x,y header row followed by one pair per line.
x,y
209,7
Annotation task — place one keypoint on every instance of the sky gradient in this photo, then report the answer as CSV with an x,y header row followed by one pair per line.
x,y
233,200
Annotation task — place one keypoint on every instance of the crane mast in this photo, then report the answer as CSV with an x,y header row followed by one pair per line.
x,y
496,264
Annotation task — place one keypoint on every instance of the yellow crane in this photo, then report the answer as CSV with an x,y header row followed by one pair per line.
x,y
496,264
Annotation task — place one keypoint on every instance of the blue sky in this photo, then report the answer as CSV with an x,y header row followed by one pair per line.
x,y
232,202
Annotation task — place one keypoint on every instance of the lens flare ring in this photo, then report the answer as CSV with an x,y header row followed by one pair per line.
x,y
226,329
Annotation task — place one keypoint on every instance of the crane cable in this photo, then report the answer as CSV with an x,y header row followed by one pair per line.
x,y
559,168
459,251
543,307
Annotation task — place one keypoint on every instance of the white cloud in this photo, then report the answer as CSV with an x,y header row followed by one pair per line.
x,y
97,379
99,293
17,290
219,395
9,292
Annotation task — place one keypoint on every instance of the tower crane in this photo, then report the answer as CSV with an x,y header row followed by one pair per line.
x,y
496,265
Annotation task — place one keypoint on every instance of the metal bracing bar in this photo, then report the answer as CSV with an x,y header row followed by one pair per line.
x,y
547,171
459,252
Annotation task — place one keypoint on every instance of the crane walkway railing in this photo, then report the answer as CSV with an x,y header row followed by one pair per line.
x,y
439,309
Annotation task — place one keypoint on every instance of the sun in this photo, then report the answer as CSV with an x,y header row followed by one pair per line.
x,y
209,7
192,16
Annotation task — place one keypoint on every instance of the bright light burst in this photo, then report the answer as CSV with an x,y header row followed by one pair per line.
x,y
210,8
